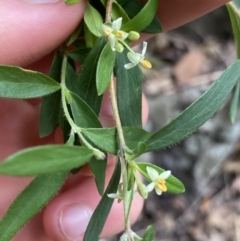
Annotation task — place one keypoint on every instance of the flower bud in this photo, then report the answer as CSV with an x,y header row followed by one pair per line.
x,y
133,35
68,96
142,190
119,47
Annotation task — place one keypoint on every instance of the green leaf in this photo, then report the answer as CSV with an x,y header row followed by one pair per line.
x,y
235,22
105,68
98,168
143,18
129,92
118,12
173,184
234,104
110,144
68,2
18,83
85,86
149,233
79,55
29,202
198,112
83,115
100,214
50,108
45,160
93,20
74,35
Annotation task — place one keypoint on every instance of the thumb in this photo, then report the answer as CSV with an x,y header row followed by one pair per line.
x,y
30,29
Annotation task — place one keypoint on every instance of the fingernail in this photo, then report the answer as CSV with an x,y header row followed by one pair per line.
x,y
74,220
41,1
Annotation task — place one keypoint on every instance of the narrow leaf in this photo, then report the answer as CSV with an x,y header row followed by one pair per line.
x,y
16,82
100,214
98,168
93,20
29,202
149,234
118,12
110,144
129,92
83,115
143,18
235,22
79,55
133,7
173,184
85,86
50,108
45,160
197,113
234,104
105,68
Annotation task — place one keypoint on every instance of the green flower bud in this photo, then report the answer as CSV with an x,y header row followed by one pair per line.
x,y
119,47
68,96
133,35
141,188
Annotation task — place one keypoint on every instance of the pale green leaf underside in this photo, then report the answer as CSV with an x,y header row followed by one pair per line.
x,y
93,20
45,160
18,83
29,202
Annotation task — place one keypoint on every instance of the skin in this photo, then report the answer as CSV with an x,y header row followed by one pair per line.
x,y
30,33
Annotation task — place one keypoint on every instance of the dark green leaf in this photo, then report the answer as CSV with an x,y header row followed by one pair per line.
x,y
143,18
45,160
85,85
105,68
118,12
74,35
110,144
16,82
173,184
98,168
83,115
71,77
235,21
197,113
29,202
79,55
100,214
51,104
149,234
234,104
129,92
121,2
93,20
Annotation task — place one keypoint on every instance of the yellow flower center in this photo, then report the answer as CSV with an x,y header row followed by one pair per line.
x,y
147,64
119,34
161,184
107,32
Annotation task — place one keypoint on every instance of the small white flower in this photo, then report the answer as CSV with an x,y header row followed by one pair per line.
x,y
114,33
119,194
136,58
158,180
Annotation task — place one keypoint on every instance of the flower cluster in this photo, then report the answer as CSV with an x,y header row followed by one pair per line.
x,y
116,39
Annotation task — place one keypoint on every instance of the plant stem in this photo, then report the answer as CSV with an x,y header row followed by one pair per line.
x,y
76,129
126,203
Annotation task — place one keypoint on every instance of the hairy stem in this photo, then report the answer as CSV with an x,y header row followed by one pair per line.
x,y
76,129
